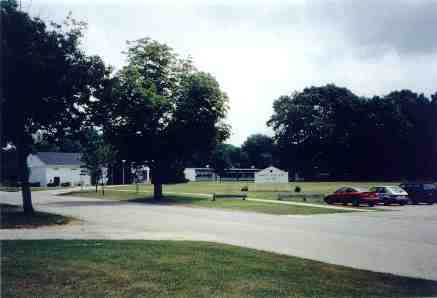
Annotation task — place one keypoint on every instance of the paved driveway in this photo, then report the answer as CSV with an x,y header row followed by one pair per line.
x,y
403,241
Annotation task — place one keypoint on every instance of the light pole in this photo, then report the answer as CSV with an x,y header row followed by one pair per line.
x,y
124,160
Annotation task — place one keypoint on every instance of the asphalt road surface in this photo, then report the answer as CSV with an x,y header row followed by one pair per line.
x,y
402,241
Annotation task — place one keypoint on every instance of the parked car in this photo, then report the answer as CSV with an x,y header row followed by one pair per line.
x,y
420,192
391,194
353,195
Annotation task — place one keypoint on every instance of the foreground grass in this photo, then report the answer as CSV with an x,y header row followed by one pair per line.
x,y
12,217
201,201
56,268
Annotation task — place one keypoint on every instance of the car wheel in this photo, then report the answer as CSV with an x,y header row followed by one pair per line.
x,y
402,203
328,201
371,204
386,204
344,204
356,202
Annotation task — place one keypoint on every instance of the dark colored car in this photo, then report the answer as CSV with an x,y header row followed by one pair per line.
x,y
419,192
354,196
391,195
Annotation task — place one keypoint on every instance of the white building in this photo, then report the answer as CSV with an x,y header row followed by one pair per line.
x,y
209,174
199,174
271,175
57,167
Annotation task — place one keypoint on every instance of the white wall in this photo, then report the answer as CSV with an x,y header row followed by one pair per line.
x,y
67,174
38,174
190,174
37,170
271,175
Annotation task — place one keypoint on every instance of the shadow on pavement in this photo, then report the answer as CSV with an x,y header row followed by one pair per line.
x,y
88,203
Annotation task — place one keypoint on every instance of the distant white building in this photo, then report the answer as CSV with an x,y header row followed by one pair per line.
x,y
209,174
271,175
199,174
57,167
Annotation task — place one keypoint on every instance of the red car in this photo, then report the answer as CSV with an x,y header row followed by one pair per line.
x,y
353,195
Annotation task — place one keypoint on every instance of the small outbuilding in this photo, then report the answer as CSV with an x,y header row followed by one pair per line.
x,y
57,168
271,175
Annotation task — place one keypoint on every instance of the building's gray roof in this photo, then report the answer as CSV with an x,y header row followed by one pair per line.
x,y
60,158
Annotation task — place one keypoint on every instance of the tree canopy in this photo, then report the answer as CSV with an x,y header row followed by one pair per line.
x,y
331,130
160,110
47,81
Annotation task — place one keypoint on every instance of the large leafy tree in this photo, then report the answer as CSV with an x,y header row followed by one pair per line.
x,y
47,82
313,127
331,129
159,110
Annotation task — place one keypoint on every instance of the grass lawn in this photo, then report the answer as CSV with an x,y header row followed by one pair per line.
x,y
12,217
192,201
88,268
40,188
264,191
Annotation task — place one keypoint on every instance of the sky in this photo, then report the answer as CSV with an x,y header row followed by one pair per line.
x,y
260,50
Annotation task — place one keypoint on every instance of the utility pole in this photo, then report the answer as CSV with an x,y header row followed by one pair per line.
x,y
124,160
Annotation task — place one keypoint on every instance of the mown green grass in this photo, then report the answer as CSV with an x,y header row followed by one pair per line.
x,y
39,188
12,217
264,191
203,201
87,268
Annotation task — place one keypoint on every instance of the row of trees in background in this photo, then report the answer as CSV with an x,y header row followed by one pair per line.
x,y
258,151
331,130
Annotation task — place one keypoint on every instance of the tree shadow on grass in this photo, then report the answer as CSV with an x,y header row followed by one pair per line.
x,y
13,217
169,200
95,202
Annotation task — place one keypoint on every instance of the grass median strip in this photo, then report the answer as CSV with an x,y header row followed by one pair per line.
x,y
201,201
12,217
87,268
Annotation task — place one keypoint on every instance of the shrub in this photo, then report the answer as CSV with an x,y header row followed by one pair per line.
x,y
297,189
245,188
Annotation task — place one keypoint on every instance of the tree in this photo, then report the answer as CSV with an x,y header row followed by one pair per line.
x,y
160,110
98,157
260,150
330,129
47,81
221,158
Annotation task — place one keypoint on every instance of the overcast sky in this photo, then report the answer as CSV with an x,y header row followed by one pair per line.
x,y
259,50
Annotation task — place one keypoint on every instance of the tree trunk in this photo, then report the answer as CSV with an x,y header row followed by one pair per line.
x,y
157,182
103,188
157,190
23,171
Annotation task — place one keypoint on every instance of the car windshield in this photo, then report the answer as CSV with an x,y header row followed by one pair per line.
x,y
357,189
395,189
429,187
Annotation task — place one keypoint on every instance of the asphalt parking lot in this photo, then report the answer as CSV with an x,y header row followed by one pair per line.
x,y
401,240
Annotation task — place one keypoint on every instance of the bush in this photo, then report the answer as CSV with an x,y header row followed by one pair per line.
x,y
65,184
297,189
245,188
